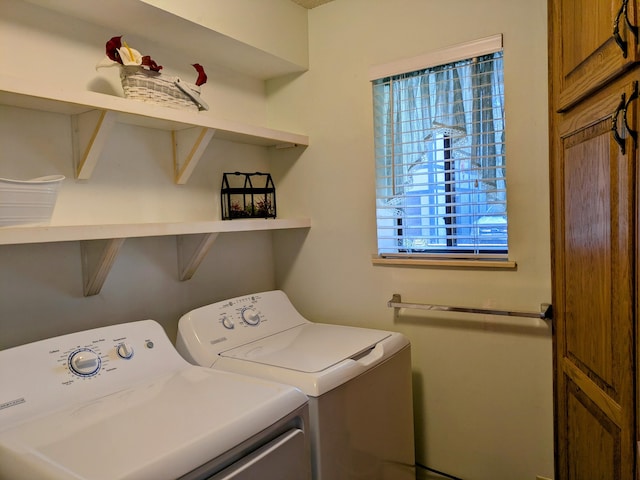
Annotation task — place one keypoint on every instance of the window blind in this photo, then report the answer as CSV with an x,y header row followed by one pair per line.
x,y
440,160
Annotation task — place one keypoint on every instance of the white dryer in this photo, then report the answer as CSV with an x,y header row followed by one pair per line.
x,y
119,403
358,380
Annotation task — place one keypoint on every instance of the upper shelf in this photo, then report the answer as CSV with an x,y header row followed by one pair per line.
x,y
37,96
94,115
142,18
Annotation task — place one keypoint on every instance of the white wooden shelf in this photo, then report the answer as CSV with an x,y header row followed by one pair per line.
x,y
164,28
94,115
100,244
65,233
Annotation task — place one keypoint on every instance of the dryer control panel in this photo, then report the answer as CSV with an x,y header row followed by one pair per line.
x,y
58,371
234,322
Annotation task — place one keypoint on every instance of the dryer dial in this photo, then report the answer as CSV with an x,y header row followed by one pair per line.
x,y
125,351
84,362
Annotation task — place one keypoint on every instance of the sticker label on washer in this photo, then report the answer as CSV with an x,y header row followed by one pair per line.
x,y
12,403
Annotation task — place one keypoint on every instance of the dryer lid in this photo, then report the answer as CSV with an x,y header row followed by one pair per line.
x,y
309,348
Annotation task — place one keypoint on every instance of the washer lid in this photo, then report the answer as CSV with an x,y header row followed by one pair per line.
x,y
161,428
309,348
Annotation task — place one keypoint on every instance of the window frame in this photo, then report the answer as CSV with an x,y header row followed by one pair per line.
x,y
446,56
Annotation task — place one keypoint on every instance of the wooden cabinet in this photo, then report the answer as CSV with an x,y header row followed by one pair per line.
x,y
594,188
594,41
595,231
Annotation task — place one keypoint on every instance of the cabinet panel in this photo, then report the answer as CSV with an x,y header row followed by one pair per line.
x,y
597,40
588,254
594,293
586,421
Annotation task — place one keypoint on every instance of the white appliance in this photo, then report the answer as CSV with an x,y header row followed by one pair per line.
x,y
358,380
120,403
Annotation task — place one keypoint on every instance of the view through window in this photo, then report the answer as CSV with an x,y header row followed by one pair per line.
x,y
440,160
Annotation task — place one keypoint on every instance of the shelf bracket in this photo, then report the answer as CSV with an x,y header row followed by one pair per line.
x,y
191,251
188,147
90,131
97,259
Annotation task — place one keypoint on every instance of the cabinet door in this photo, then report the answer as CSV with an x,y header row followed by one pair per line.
x,y
597,41
593,188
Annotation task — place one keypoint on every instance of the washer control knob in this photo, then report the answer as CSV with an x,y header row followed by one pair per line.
x,y
227,323
84,362
125,351
250,316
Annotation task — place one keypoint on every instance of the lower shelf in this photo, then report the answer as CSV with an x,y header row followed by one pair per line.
x,y
100,244
66,233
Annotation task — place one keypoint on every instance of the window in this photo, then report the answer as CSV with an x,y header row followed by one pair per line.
x,y
440,160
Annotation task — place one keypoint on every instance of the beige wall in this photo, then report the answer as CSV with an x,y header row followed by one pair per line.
x,y
483,386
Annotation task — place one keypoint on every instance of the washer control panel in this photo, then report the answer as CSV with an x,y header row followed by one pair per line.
x,y
221,326
69,368
240,312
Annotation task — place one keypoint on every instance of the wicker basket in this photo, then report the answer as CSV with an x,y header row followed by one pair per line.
x,y
153,87
28,201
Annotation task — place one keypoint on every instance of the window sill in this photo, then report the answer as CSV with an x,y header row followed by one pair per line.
x,y
445,263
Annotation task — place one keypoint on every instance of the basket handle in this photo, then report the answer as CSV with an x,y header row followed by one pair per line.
x,y
195,98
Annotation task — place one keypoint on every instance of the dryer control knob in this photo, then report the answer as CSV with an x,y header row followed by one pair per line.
x,y
250,316
84,362
125,351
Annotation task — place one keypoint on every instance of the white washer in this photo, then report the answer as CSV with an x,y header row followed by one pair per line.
x,y
358,380
119,402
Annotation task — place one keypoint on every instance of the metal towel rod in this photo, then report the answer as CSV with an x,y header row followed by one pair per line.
x,y
546,310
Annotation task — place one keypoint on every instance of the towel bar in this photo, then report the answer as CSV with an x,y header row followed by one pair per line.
x,y
546,310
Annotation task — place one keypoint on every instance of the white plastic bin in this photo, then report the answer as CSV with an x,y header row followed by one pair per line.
x,y
28,201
